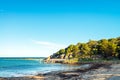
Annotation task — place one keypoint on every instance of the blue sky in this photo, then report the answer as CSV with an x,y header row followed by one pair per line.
x,y
42,27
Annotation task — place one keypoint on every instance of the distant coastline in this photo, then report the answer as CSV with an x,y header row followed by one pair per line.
x,y
22,57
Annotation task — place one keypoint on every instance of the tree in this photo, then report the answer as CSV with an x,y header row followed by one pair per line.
x,y
85,50
93,47
112,46
103,48
75,51
62,51
118,49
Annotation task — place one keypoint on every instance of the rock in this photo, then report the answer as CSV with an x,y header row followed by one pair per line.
x,y
62,56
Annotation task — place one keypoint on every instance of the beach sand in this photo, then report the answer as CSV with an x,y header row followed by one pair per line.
x,y
94,72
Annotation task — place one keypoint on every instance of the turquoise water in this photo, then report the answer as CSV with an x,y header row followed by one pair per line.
x,y
16,67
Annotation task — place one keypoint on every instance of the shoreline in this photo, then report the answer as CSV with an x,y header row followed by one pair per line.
x,y
97,71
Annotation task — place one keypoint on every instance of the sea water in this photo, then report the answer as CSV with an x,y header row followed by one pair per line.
x,y
17,67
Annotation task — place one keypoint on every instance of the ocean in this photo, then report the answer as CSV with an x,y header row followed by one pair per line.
x,y
18,67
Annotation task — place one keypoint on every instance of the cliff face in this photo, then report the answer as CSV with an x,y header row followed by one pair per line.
x,y
61,56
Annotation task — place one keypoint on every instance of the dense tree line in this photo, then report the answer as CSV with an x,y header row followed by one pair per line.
x,y
104,48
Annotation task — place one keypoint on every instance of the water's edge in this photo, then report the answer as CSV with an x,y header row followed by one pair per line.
x,y
18,67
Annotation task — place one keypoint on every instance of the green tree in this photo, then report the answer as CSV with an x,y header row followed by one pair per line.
x,y
106,48
112,46
75,51
93,47
85,50
118,49
62,51
102,48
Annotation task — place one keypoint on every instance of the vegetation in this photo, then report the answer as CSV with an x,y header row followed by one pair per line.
x,y
106,49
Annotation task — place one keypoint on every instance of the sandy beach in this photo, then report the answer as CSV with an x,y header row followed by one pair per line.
x,y
94,72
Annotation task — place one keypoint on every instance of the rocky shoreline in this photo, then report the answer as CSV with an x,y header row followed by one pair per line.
x,y
96,71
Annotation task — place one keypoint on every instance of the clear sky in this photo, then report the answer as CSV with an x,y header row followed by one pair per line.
x,y
33,28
